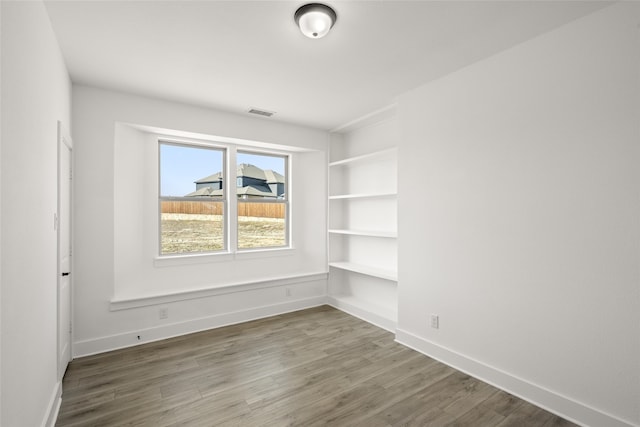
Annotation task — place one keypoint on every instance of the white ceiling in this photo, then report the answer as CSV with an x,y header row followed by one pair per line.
x,y
233,55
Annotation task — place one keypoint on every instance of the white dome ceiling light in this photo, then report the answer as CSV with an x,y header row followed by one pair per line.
x,y
315,19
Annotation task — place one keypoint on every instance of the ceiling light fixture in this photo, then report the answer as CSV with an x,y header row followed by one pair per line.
x,y
315,19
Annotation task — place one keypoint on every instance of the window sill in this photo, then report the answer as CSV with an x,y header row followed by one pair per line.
x,y
263,253
193,259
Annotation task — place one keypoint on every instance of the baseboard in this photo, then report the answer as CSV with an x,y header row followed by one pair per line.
x,y
54,406
127,339
362,313
551,401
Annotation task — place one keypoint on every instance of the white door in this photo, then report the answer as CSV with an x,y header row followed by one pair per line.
x,y
64,250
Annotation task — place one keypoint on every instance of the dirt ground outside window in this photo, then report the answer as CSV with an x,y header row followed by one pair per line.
x,y
192,233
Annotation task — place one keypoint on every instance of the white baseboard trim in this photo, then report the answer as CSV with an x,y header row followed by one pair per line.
x,y
362,313
53,407
551,401
129,339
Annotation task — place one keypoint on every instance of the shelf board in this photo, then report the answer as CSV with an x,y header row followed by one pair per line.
x,y
366,270
383,317
367,233
364,196
365,157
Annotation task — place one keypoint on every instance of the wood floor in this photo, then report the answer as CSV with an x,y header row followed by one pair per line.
x,y
313,367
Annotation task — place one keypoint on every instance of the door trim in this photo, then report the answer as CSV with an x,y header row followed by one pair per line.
x,y
63,137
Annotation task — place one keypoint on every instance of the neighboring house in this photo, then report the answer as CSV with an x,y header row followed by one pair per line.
x,y
252,182
210,186
212,181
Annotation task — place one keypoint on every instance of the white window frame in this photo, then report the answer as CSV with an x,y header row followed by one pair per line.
x,y
224,200
230,202
284,201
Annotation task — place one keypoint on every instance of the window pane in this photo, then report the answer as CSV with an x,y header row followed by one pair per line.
x,y
191,227
264,223
260,176
261,225
190,171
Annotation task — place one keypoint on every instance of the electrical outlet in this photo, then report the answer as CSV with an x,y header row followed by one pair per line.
x,y
435,321
163,313
287,292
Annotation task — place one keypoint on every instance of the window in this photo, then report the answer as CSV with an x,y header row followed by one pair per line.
x,y
192,200
262,200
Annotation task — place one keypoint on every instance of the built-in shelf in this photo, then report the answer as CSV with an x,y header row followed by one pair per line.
x,y
362,235
368,233
365,157
366,270
379,315
388,195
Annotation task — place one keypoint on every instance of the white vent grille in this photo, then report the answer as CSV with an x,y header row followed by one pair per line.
x,y
264,113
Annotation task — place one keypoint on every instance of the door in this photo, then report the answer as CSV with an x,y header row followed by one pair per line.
x,y
63,223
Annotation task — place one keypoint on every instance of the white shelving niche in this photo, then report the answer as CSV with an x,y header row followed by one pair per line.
x,y
363,224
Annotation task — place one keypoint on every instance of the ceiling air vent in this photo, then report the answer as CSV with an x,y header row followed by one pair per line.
x,y
264,113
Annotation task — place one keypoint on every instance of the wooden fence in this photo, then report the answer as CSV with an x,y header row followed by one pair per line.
x,y
260,210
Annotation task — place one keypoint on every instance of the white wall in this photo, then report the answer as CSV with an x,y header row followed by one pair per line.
x,y
0,212
36,93
519,218
116,163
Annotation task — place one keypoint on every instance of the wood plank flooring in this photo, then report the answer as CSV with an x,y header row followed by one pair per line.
x,y
309,368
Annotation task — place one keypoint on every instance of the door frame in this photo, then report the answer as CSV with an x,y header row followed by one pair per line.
x,y
63,137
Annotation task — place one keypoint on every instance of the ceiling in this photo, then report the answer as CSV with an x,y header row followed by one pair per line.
x,y
234,55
